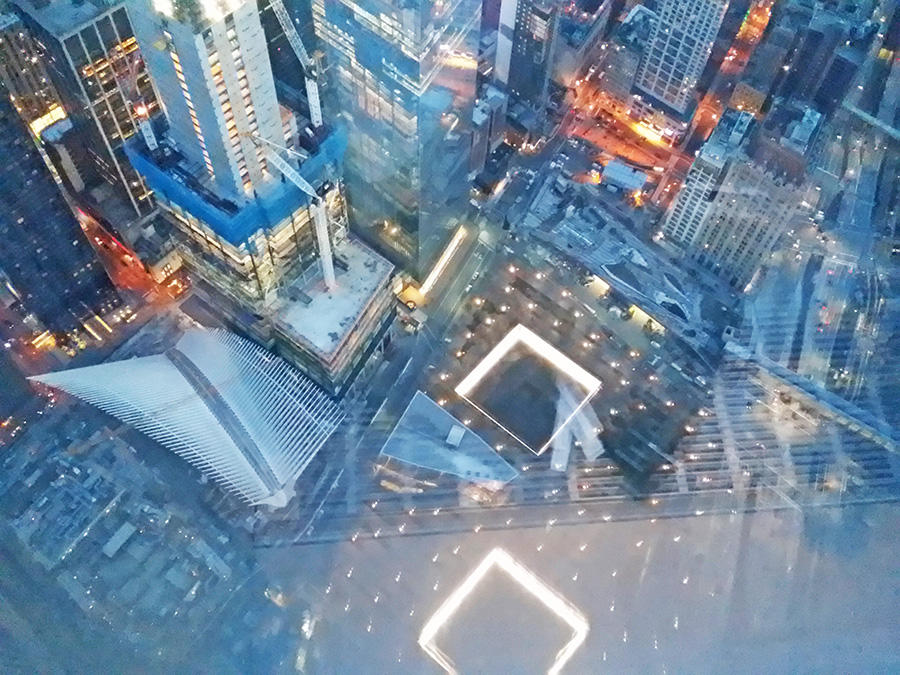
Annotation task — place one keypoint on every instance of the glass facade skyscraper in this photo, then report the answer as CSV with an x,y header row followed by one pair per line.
x,y
263,235
402,73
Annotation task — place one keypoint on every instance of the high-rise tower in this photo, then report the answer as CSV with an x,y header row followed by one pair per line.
x,y
93,59
25,76
403,74
679,47
759,195
704,178
739,196
211,68
525,41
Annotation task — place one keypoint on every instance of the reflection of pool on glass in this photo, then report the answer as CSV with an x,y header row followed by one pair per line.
x,y
501,628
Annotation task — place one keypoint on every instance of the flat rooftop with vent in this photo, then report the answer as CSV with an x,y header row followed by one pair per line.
x,y
64,17
325,319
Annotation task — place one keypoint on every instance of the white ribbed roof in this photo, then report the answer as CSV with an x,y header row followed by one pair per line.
x,y
254,430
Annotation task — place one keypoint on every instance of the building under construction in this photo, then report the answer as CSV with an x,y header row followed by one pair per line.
x,y
255,191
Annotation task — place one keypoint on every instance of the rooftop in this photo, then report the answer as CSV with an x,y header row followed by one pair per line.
x,y
619,173
578,22
324,318
230,395
65,17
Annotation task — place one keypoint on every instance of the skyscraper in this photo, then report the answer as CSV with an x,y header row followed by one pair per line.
x,y
679,47
488,126
580,35
243,418
93,60
263,233
215,81
525,43
403,75
753,208
838,79
47,263
738,199
704,178
818,42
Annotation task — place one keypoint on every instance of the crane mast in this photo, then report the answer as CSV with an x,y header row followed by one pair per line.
x,y
320,214
309,68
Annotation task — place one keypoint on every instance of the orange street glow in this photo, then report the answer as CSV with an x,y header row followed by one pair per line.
x,y
647,133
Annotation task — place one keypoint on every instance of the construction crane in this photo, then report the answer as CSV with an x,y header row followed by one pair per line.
x,y
309,68
320,213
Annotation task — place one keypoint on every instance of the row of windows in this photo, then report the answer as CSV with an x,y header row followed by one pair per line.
x,y
179,73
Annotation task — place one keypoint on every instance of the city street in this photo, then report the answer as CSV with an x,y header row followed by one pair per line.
x,y
123,266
